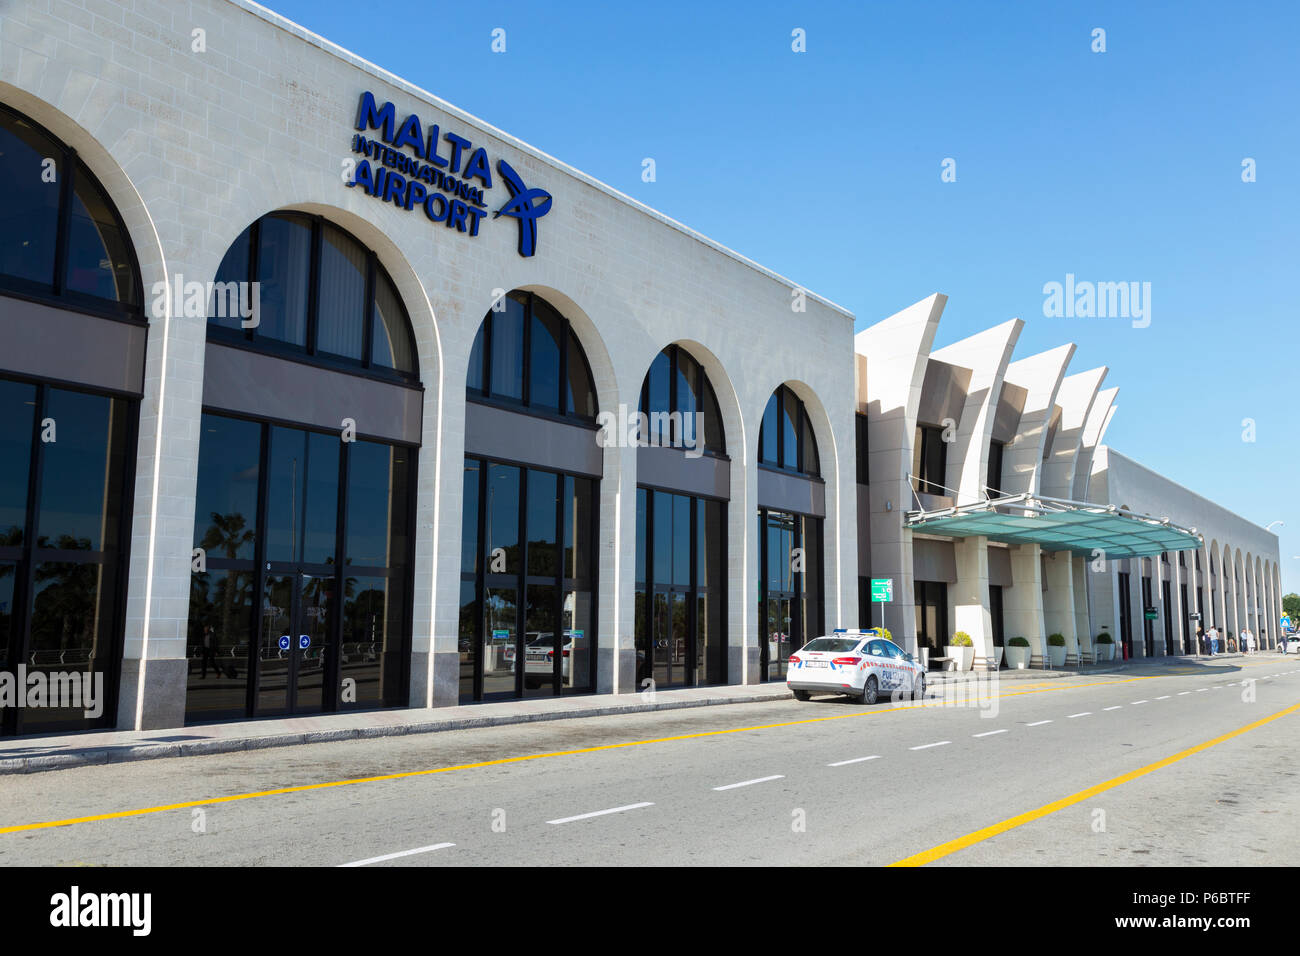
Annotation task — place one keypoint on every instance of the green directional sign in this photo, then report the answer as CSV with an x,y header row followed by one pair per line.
x,y
882,589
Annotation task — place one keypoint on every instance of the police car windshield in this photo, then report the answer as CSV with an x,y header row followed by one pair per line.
x,y
833,645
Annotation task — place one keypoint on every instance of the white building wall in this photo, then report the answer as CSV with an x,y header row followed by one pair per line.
x,y
195,145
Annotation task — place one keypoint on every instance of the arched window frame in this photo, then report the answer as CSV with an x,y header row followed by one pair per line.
x,y
715,447
70,169
784,396
309,351
482,348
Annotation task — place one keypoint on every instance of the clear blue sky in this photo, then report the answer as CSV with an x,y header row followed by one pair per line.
x,y
825,167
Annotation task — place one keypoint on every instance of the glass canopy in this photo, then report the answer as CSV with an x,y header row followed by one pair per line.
x,y
1058,525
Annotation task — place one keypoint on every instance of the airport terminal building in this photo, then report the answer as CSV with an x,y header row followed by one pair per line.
x,y
320,394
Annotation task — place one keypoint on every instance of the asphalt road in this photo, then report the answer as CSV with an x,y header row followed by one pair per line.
x,y
784,783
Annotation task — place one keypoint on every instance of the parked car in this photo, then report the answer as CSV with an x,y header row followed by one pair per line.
x,y
858,664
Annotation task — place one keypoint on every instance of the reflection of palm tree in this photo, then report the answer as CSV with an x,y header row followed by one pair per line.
x,y
64,609
228,534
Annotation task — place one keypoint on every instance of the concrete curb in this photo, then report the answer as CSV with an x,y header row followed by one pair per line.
x,y
126,753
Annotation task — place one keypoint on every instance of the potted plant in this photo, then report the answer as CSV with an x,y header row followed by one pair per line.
x,y
961,650
1105,647
1056,649
1018,653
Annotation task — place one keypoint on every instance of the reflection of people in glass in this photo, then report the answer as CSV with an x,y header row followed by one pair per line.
x,y
209,652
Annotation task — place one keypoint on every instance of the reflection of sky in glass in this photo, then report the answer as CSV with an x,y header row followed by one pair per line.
x,y
74,471
17,406
368,504
227,485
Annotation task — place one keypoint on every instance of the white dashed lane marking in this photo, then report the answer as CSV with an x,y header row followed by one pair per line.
x,y
1038,723
845,763
747,783
939,743
1086,713
1116,707
601,813
394,856
990,733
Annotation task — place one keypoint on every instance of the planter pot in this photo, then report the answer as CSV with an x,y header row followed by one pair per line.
x,y
1056,655
997,657
963,656
1018,657
1105,652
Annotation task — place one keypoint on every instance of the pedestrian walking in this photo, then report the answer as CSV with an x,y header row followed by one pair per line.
x,y
1243,641
1200,638
1214,639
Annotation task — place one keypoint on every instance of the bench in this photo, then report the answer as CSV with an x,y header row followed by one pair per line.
x,y
945,663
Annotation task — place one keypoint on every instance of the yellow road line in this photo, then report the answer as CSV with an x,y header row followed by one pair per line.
x,y
979,836
302,788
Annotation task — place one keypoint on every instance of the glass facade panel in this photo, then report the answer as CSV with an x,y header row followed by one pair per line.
x,y
220,624
468,639
17,416
507,352
391,344
283,270
319,289
543,499
525,508
60,549
73,608
680,630
790,593
315,651
789,420
500,634
377,496
658,400
545,340
235,268
502,524
31,203
341,295
580,648
225,511
580,391
525,353
99,259
372,629
541,635
81,483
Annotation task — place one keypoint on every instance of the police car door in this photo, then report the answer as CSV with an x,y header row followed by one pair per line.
x,y
883,665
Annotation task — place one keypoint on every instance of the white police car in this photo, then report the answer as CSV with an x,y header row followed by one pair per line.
x,y
859,664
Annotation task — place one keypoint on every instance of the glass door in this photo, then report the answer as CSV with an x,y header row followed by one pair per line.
x,y
295,653
784,633
670,648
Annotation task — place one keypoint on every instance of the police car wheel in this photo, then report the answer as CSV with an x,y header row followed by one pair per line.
x,y
802,694
870,691
918,691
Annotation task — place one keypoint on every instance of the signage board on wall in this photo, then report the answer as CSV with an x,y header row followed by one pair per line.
x,y
413,165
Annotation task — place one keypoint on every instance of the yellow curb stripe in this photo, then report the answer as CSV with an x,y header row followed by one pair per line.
x,y
979,836
303,788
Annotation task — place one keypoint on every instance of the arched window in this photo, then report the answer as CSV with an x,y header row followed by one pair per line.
x,y
526,354
677,397
785,439
67,425
60,236
319,292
